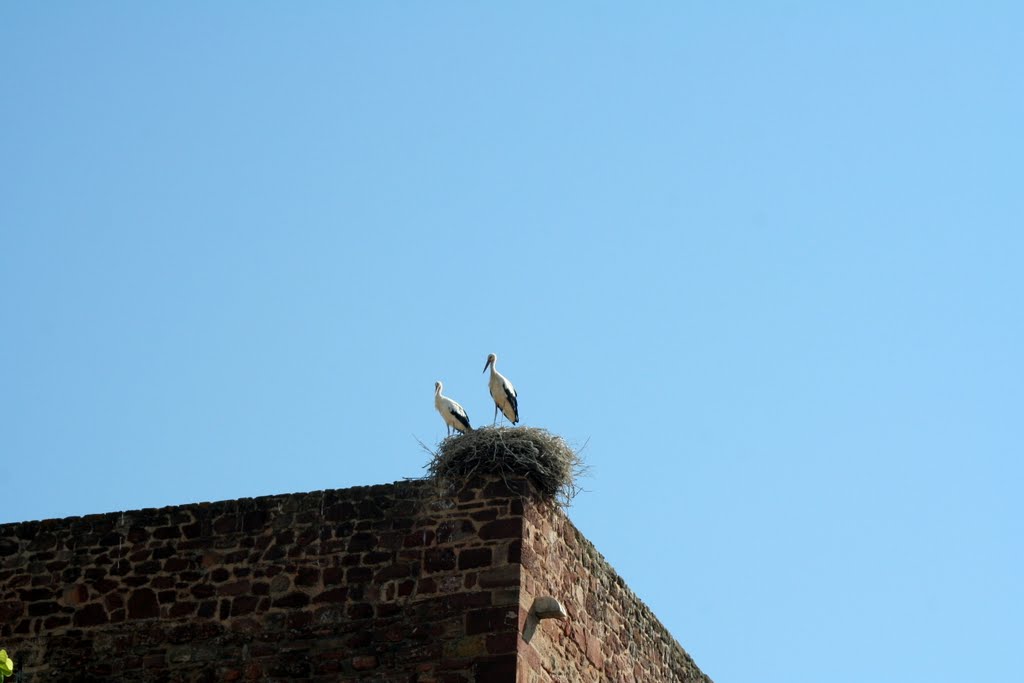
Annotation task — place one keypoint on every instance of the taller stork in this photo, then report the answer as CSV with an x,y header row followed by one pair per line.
x,y
503,393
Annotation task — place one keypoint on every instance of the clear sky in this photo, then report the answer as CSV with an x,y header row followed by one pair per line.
x,y
766,262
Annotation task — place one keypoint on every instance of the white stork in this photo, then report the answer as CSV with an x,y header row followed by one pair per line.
x,y
503,393
451,412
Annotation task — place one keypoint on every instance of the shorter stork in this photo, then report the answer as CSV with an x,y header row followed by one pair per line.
x,y
452,413
503,393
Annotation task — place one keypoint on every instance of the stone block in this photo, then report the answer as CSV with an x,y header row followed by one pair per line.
x,y
506,575
90,615
502,528
142,604
439,559
474,557
491,619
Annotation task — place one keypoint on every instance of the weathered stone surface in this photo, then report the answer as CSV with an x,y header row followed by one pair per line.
x,y
371,583
41,609
183,609
234,588
294,599
497,669
491,620
307,576
610,635
11,610
362,542
499,577
142,604
364,663
90,615
502,528
475,557
439,559
332,595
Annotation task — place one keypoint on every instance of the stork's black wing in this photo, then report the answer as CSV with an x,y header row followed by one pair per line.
x,y
462,418
510,394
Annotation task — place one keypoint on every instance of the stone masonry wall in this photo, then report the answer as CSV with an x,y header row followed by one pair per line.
x,y
392,583
610,634
375,583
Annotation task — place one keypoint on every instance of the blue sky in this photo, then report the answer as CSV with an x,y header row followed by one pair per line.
x,y
766,262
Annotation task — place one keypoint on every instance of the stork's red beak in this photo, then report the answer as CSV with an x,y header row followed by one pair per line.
x,y
487,364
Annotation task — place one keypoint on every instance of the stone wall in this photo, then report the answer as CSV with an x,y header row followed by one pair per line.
x,y
391,583
610,635
375,583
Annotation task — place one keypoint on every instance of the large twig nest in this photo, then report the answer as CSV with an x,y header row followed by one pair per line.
x,y
510,452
